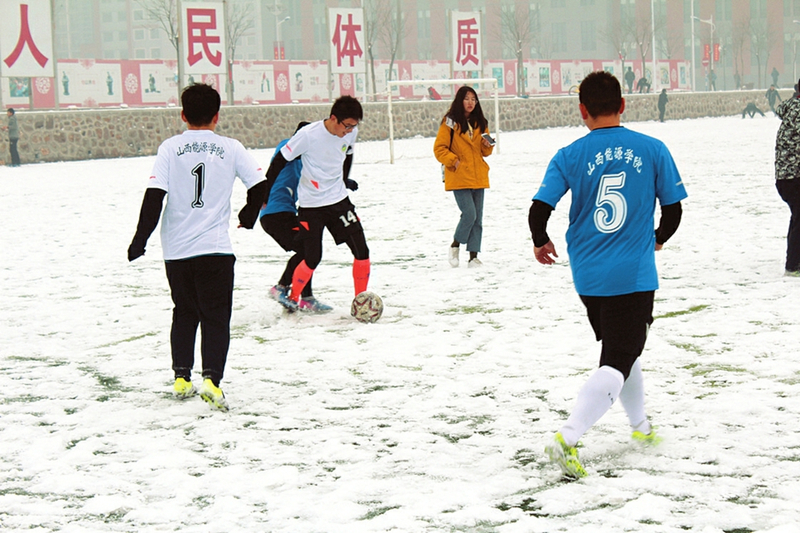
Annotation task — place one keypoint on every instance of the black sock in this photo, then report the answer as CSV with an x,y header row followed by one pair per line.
x,y
455,244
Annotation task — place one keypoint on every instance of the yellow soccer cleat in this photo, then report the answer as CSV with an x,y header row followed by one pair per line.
x,y
566,457
183,389
651,439
213,395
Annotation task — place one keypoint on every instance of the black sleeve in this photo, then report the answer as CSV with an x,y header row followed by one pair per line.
x,y
538,216
278,163
670,220
255,199
348,162
148,220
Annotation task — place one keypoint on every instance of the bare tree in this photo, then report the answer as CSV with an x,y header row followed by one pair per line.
x,y
238,23
516,31
385,28
740,35
163,14
762,39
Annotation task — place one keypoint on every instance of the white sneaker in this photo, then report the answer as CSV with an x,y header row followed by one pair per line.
x,y
474,263
452,255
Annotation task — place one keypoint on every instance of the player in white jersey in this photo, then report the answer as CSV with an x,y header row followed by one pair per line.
x,y
196,171
326,148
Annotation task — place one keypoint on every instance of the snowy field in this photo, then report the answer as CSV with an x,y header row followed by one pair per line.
x,y
434,418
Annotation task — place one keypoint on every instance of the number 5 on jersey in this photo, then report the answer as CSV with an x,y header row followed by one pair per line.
x,y
612,209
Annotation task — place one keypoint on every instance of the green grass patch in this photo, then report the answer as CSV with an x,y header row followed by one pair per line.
x,y
693,309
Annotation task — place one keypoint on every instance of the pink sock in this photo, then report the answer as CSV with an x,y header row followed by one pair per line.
x,y
361,269
300,278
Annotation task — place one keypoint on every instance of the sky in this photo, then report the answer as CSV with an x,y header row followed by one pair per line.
x,y
432,419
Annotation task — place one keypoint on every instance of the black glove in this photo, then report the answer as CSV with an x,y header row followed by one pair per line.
x,y
351,184
135,250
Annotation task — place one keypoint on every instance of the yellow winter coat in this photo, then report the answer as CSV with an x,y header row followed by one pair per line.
x,y
472,172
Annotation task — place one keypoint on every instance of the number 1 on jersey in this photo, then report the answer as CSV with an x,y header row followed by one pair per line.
x,y
199,173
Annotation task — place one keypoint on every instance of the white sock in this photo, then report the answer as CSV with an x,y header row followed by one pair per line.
x,y
595,398
632,398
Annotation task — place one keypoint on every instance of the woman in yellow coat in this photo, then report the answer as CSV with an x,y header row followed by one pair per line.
x,y
460,147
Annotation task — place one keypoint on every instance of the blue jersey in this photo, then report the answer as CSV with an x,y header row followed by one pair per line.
x,y
615,176
283,195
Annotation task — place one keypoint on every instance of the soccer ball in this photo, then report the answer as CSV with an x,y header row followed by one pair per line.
x,y
367,307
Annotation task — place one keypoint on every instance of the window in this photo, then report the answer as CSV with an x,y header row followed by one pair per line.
x,y
155,53
138,35
108,36
559,36
154,34
123,36
588,36
107,17
558,3
138,14
423,24
139,53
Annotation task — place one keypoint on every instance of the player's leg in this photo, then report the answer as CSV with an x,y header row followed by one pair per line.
x,y
215,301
311,226
14,153
284,228
345,227
620,322
185,317
361,264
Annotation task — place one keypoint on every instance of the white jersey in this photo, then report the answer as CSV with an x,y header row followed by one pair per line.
x,y
197,169
323,155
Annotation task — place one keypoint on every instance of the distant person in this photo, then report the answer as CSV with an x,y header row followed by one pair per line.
x,y
774,75
772,95
110,84
434,94
611,245
737,81
630,77
460,147
13,136
643,86
787,177
196,171
752,109
712,80
65,83
151,82
662,104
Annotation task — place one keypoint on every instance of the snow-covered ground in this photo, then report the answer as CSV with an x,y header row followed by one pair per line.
x,y
432,419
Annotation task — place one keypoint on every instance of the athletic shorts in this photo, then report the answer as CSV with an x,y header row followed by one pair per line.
x,y
284,228
621,323
340,219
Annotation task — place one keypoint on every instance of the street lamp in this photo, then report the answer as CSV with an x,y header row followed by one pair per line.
x,y
794,59
279,50
710,23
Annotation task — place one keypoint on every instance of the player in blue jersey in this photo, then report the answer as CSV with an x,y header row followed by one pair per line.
x,y
278,217
615,176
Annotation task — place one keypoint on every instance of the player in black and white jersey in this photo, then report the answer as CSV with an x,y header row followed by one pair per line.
x,y
326,148
196,171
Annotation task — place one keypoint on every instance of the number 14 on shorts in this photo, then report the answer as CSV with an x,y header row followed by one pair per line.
x,y
348,218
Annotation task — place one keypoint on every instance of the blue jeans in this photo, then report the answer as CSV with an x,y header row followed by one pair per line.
x,y
470,226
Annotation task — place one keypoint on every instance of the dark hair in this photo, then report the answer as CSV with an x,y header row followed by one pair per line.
x,y
200,104
301,125
347,107
11,110
456,111
600,94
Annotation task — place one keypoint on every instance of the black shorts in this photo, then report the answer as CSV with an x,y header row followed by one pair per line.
x,y
284,228
340,219
621,323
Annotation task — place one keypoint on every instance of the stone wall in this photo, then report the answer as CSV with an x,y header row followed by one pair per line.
x,y
77,134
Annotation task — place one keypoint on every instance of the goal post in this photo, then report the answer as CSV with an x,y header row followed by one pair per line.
x,y
464,81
